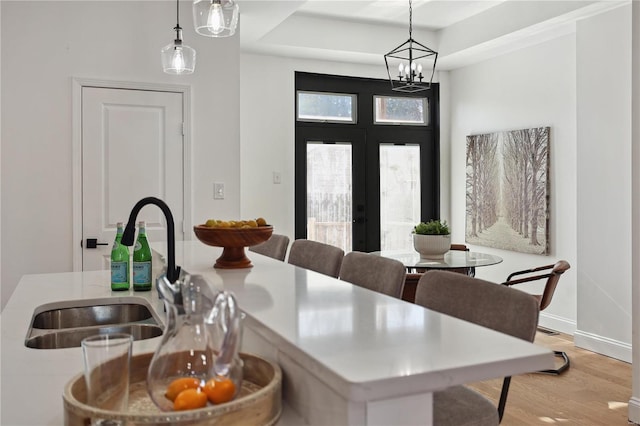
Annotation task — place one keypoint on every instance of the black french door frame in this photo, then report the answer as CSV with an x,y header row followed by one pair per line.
x,y
366,138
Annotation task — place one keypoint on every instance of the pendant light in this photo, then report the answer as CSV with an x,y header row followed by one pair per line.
x,y
215,18
409,76
178,58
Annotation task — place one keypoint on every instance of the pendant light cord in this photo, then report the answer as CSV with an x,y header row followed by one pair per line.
x,y
177,13
178,28
410,18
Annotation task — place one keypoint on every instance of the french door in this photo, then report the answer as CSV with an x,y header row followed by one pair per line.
x,y
362,183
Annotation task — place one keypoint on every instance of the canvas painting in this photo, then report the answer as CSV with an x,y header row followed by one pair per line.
x,y
507,184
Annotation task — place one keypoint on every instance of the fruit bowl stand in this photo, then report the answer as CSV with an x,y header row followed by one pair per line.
x,y
233,241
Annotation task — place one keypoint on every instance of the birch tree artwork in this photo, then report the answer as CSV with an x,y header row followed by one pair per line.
x,y
508,190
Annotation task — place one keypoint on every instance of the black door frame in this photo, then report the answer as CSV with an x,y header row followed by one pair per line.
x,y
366,227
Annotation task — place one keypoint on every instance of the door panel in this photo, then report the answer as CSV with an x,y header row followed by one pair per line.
x,y
132,147
333,198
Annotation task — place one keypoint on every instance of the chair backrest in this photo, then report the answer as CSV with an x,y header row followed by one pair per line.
x,y
512,312
494,306
376,273
319,257
275,247
551,278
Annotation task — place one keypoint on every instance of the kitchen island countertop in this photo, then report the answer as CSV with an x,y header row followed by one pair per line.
x,y
349,355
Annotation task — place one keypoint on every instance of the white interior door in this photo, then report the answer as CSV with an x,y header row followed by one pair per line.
x,y
132,147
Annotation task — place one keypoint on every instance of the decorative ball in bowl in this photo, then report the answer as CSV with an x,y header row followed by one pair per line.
x,y
233,240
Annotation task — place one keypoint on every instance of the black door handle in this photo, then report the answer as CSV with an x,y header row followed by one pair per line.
x,y
93,243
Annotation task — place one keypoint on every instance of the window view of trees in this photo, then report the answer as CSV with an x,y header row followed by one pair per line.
x,y
507,190
400,110
326,107
399,195
329,198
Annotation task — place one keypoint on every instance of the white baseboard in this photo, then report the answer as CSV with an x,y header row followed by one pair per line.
x,y
634,410
603,345
554,322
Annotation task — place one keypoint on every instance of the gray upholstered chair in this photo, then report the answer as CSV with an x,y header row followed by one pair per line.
x,y
319,257
275,247
485,303
376,273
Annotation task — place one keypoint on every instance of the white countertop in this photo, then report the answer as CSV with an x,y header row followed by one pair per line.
x,y
370,345
364,345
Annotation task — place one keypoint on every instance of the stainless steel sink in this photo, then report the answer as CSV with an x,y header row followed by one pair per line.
x,y
64,324
71,338
84,316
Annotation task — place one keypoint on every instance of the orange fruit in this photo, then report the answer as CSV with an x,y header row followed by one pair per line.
x,y
178,385
261,222
219,390
190,399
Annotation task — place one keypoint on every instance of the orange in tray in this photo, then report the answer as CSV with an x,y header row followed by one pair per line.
x,y
219,390
190,399
181,384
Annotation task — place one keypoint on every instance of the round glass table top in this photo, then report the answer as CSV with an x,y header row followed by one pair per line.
x,y
451,259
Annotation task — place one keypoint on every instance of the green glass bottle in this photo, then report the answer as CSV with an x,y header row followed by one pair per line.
x,y
119,263
142,261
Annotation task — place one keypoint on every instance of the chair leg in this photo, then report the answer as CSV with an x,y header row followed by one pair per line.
x,y
562,368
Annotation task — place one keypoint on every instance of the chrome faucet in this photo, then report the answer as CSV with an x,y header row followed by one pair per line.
x,y
173,271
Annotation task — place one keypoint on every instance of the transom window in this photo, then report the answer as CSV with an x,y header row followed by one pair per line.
x,y
327,107
400,110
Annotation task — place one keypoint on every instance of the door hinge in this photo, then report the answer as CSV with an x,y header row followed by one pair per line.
x,y
182,128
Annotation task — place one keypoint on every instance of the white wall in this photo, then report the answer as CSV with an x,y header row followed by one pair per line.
x,y
604,183
634,401
44,45
267,137
532,87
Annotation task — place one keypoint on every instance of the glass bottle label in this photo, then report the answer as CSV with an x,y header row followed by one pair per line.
x,y
141,273
118,272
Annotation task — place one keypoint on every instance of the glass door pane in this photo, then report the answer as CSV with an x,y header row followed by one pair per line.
x,y
399,195
329,193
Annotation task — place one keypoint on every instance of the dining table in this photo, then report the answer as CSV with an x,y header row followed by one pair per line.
x,y
453,259
462,261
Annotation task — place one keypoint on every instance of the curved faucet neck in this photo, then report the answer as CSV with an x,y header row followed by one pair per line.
x,y
173,271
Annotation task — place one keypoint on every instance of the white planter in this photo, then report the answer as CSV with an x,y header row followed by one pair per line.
x,y
432,246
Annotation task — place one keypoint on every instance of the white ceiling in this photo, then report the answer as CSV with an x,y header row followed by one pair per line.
x,y
428,14
362,31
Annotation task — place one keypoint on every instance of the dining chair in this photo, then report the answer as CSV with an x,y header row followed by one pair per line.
x,y
544,299
376,273
275,247
498,307
316,256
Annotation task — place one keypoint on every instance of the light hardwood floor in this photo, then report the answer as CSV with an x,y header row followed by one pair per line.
x,y
595,390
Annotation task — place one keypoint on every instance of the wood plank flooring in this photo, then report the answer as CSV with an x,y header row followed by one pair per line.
x,y
595,390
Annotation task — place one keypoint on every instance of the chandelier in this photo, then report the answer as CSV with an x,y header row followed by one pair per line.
x,y
178,58
409,77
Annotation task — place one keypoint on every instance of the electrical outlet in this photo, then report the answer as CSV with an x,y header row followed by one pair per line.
x,y
277,178
218,191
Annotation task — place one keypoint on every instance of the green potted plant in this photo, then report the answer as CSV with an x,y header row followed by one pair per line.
x,y
432,239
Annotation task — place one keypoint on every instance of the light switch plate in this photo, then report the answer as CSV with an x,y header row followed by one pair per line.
x,y
218,191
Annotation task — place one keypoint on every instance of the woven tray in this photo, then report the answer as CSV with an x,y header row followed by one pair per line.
x,y
259,401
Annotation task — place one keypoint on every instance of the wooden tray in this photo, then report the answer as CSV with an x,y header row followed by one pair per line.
x,y
259,401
